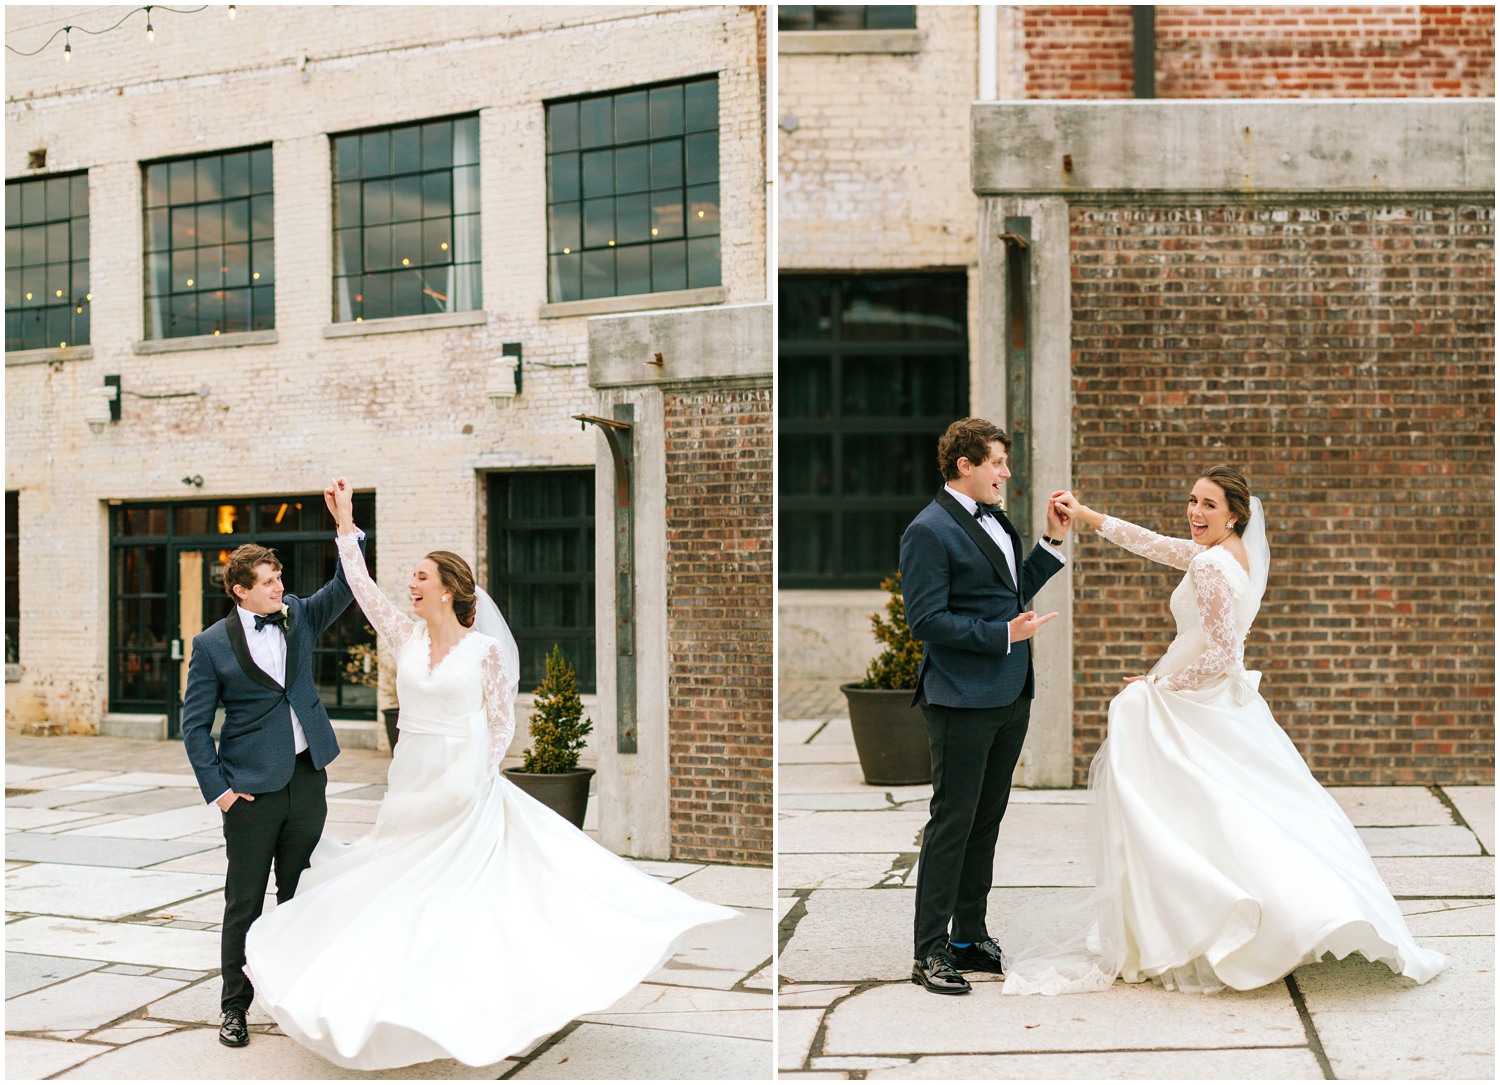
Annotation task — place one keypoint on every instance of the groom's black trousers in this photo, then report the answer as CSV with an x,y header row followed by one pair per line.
x,y
974,753
280,829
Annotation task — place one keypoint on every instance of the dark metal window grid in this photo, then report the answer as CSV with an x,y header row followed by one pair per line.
x,y
47,298
210,244
859,418
541,562
403,244
633,191
846,17
12,576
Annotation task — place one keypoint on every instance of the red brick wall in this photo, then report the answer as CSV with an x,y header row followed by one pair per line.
x,y
1404,51
719,623
1343,355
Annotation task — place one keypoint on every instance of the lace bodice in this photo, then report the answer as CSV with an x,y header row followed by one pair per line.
x,y
1212,605
466,684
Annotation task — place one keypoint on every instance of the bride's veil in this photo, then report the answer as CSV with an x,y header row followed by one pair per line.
x,y
488,620
1258,550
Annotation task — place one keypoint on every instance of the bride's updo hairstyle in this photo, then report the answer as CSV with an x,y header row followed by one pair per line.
x,y
1236,493
458,579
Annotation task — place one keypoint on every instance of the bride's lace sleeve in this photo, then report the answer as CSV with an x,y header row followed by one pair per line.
x,y
1148,544
499,703
389,622
1215,596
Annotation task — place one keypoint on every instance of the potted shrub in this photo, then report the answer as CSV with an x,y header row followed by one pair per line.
x,y
889,732
549,769
362,668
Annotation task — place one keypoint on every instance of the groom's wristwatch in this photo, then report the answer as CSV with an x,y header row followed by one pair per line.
x,y
1050,541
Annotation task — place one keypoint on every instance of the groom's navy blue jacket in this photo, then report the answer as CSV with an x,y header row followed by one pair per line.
x,y
256,750
960,597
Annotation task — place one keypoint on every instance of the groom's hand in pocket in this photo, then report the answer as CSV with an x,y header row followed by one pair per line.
x,y
1024,626
228,799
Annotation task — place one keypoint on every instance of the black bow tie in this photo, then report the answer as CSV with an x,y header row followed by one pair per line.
x,y
263,620
982,510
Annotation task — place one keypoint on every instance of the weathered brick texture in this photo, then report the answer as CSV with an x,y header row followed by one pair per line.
x,y
1361,51
720,561
1343,355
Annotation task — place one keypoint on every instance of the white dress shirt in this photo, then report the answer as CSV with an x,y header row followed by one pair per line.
x,y
268,650
992,528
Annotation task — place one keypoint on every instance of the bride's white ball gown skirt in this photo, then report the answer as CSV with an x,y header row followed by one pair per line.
x,y
1219,860
471,920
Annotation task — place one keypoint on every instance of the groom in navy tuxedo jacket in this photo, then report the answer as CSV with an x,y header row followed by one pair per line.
x,y
267,773
966,587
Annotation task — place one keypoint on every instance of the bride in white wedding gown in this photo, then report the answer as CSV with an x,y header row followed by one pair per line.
x,y
1218,860
471,919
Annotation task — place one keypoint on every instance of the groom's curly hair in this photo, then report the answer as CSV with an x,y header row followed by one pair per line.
x,y
240,570
968,438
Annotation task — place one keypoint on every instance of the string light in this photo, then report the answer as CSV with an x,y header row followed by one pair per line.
x,y
66,31
67,45
150,30
231,18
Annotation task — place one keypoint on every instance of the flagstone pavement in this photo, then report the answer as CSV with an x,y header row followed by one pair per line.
x,y
114,893
847,855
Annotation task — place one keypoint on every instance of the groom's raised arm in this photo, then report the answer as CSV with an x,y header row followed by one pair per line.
x,y
924,589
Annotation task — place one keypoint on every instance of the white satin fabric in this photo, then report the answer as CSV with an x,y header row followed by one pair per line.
x,y
471,919
1219,861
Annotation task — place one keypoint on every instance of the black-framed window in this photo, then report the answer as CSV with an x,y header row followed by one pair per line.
x,y
406,220
541,567
155,547
870,370
633,191
846,17
47,296
210,244
12,576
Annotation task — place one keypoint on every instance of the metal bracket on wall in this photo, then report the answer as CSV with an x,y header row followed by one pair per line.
x,y
1017,238
618,433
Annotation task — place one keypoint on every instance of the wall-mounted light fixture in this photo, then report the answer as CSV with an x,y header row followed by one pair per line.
x,y
104,402
504,382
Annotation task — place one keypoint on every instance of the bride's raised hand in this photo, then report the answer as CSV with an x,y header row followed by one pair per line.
x,y
333,509
1068,505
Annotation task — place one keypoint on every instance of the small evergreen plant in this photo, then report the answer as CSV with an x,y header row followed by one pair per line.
x,y
897,665
558,726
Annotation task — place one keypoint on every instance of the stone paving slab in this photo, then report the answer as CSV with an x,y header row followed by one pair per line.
x,y
851,935
29,971
890,831
89,1001
816,753
901,1018
128,1032
15,775
784,904
795,1031
167,779
798,779
1425,918
30,1059
98,892
64,779
677,1009
1477,805
1072,796
357,811
209,908
731,886
834,871
836,732
1265,1064
719,955
141,802
166,825
50,800
664,869
1413,876
98,788
199,1005
1358,984
196,1054
127,943
96,851
796,732
868,799
646,1054
39,817
762,980
1391,806
805,995
1420,840
212,861
912,793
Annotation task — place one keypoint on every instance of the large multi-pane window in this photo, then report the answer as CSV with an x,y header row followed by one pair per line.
x,y
542,567
47,297
870,371
633,191
12,576
846,17
210,245
406,220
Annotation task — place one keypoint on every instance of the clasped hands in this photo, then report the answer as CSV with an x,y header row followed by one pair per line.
x,y
1059,523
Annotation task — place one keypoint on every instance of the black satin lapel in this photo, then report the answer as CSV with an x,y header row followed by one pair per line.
x,y
236,632
293,629
987,545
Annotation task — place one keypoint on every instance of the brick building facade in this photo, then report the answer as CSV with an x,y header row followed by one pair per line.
x,y
453,417
1201,285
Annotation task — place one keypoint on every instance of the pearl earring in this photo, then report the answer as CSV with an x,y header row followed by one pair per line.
x,y
445,598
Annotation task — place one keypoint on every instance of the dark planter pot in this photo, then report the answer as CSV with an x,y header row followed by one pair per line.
x,y
890,735
392,730
566,793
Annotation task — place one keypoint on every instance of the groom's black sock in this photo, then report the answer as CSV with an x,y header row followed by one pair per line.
x,y
960,945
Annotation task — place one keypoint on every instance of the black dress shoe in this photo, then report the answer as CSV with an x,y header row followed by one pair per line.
x,y
234,1032
936,973
982,956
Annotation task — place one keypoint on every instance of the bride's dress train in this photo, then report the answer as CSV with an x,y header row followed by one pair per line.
x,y
1219,861
471,920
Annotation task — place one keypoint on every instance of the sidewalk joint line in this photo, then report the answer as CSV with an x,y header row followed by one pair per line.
x,y
1314,1041
1458,818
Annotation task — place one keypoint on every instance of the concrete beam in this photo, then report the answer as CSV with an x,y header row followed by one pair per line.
x,y
719,343
1247,148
